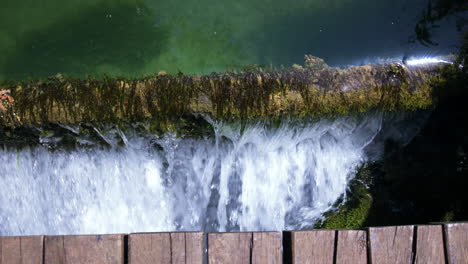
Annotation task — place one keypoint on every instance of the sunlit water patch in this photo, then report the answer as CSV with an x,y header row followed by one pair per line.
x,y
426,61
255,178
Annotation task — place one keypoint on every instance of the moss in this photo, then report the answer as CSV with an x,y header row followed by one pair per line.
x,y
350,218
448,217
100,134
354,212
255,94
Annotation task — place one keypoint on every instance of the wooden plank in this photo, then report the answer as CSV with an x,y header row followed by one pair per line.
x,y
166,248
392,245
317,246
177,248
194,248
149,248
54,250
21,250
11,250
89,249
228,248
457,243
429,245
187,247
351,247
267,248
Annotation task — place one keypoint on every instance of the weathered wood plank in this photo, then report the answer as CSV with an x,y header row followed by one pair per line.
x,y
194,247
228,248
392,245
89,249
166,248
429,245
457,243
317,246
351,247
267,248
177,248
21,250
54,250
11,250
149,248
187,248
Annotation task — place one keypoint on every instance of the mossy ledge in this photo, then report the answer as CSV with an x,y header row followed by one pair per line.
x,y
352,212
314,90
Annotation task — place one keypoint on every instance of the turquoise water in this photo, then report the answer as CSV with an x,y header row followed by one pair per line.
x,y
134,38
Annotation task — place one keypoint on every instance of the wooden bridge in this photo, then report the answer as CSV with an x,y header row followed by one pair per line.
x,y
422,244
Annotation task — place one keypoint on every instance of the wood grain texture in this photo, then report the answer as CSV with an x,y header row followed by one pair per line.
x,y
84,249
11,250
21,250
194,247
429,245
391,245
149,248
187,248
267,248
54,249
177,248
351,247
317,246
166,248
457,243
229,248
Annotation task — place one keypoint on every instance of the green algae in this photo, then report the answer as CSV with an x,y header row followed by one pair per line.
x,y
315,90
349,218
354,212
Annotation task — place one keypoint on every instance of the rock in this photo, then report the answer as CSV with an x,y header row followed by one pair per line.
x,y
314,63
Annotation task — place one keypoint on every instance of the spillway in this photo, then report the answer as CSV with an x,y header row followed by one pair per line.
x,y
250,177
288,159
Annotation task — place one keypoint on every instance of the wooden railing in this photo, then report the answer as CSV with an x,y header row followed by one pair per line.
x,y
437,243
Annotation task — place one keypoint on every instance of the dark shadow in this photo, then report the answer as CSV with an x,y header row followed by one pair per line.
x,y
287,247
427,180
119,37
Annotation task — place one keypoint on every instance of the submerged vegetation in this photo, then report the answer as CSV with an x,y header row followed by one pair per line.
x,y
310,91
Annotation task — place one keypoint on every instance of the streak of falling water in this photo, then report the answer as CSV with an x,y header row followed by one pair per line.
x,y
257,179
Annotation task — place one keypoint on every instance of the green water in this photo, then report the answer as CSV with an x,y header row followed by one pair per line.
x,y
132,38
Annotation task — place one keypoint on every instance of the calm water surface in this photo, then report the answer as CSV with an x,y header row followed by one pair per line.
x,y
132,38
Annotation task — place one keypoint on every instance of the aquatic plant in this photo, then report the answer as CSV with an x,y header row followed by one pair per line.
x,y
352,212
310,91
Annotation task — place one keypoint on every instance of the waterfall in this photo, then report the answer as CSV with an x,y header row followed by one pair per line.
x,y
244,178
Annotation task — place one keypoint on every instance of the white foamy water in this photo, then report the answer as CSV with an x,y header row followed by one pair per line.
x,y
260,179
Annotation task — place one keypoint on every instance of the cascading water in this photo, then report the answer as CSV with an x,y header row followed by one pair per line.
x,y
254,178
